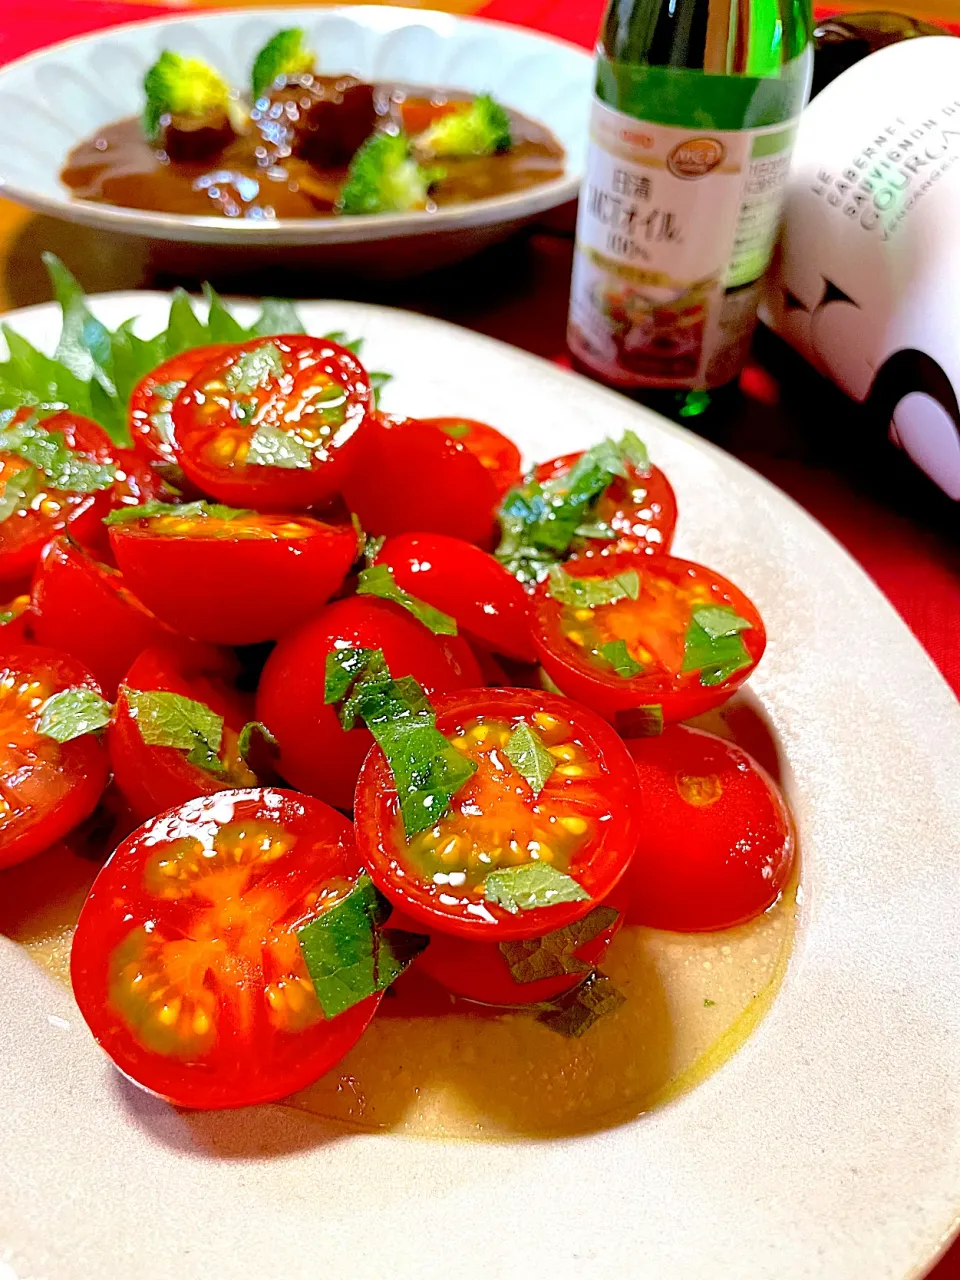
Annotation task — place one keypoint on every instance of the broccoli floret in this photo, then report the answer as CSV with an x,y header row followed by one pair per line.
x,y
183,87
479,129
384,178
285,54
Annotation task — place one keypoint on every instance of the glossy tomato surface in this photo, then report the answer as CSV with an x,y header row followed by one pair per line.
x,y
40,511
154,778
499,455
46,787
502,974
315,752
84,608
414,477
716,846
151,401
275,424
572,640
15,620
641,509
471,586
236,581
197,988
583,821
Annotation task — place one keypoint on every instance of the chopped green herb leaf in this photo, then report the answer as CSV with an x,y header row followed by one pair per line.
x,y
48,451
184,510
277,315
552,955
171,720
457,430
245,738
378,580
530,758
349,954
531,885
270,446
284,54
590,593
254,369
596,529
72,713
713,644
222,324
576,1011
640,722
18,491
345,666
616,654
372,549
693,403
378,380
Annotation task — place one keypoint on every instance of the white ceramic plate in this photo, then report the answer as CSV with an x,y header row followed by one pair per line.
x,y
828,1147
53,99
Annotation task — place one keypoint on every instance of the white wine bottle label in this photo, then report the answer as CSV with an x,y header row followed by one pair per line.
x,y
675,227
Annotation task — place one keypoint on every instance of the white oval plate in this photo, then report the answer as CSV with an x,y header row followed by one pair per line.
x,y
54,99
829,1146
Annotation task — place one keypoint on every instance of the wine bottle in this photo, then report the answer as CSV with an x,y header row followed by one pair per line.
x,y
694,114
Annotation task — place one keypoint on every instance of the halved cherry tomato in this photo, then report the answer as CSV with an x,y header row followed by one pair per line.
x,y
299,400
499,455
316,753
481,971
575,641
42,511
234,581
468,584
716,845
186,963
641,510
583,822
151,401
46,787
156,778
15,617
84,608
414,476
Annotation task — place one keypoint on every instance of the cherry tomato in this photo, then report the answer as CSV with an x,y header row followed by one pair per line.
x,y
499,455
15,618
316,753
156,778
41,512
84,608
641,510
481,971
186,963
583,821
301,401
46,787
468,584
578,646
151,402
413,476
233,581
716,845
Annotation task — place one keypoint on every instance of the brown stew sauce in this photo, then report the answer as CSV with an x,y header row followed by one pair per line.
x,y
292,158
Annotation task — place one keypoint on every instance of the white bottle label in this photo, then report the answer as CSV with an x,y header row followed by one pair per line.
x,y
670,220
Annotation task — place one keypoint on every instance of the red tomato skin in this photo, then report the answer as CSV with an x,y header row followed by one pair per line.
x,y
83,515
259,1065
84,608
412,476
375,809
154,779
147,440
648,528
497,452
81,769
234,590
277,488
468,584
706,866
478,971
316,753
608,694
